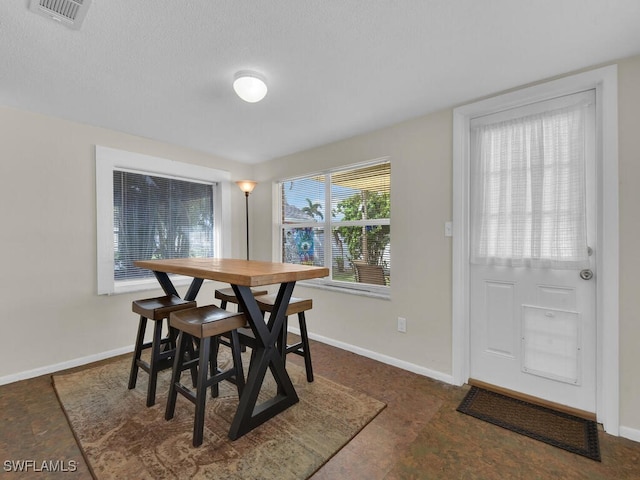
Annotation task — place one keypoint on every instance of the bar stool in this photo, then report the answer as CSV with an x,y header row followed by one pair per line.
x,y
204,324
155,309
227,295
296,305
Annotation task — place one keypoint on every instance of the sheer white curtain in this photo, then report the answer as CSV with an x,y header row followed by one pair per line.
x,y
528,197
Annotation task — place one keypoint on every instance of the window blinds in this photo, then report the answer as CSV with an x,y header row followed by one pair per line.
x,y
157,217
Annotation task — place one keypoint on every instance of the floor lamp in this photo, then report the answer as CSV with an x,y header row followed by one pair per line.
x,y
247,187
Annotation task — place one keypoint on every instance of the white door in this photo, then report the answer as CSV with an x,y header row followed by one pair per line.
x,y
532,279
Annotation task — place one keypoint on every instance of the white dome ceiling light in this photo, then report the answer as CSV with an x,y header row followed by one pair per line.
x,y
250,86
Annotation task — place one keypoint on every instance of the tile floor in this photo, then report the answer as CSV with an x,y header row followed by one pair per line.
x,y
419,435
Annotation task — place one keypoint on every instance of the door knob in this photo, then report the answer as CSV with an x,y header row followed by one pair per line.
x,y
586,274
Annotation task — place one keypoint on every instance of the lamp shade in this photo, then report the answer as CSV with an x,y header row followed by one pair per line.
x,y
250,86
246,186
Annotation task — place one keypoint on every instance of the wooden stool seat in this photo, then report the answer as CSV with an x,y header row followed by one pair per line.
x,y
208,321
227,295
297,306
159,308
162,350
204,324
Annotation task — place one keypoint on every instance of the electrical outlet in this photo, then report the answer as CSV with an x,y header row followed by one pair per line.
x,y
402,324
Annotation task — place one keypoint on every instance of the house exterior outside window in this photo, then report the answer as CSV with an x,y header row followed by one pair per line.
x,y
340,219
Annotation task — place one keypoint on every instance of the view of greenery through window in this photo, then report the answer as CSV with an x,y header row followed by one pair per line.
x,y
158,217
358,219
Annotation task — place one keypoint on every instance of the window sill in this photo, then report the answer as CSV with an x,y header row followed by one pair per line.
x,y
130,286
384,293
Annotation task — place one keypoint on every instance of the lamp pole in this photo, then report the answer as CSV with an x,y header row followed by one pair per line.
x,y
246,209
247,187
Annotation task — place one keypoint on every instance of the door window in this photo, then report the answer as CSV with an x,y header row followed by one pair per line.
x,y
528,197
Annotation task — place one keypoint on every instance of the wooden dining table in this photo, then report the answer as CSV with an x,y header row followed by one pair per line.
x,y
242,275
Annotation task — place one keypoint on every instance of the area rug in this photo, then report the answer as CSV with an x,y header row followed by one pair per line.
x,y
571,433
121,438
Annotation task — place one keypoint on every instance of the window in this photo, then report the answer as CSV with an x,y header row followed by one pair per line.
x,y
340,219
153,208
529,200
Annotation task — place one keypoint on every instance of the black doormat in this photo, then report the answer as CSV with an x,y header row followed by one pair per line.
x,y
571,433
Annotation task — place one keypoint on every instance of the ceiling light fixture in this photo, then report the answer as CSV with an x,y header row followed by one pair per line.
x,y
250,86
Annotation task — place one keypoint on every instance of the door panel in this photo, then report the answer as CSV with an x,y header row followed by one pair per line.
x,y
551,343
499,301
528,333
554,296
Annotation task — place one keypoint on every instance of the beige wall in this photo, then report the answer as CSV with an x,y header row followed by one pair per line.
x,y
48,239
48,281
421,154
421,177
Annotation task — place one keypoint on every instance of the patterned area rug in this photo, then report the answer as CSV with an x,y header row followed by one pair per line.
x,y
121,438
571,433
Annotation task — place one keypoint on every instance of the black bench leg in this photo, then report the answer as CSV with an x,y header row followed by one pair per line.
x,y
201,390
213,364
154,363
237,361
192,352
305,345
175,375
133,375
282,343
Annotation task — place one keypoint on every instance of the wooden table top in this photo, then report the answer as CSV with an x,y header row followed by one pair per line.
x,y
250,273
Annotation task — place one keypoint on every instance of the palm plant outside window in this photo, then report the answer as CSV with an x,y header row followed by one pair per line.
x,y
340,219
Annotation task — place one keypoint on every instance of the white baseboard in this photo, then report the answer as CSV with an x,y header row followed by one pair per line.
x,y
335,343
411,367
630,433
36,372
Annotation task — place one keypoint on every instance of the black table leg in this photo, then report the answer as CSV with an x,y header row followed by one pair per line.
x,y
194,288
265,355
166,283
169,289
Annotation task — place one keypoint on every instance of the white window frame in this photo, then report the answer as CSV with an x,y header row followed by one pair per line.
x,y
110,159
327,283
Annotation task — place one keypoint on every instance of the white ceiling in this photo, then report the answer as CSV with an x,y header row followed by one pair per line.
x,y
163,69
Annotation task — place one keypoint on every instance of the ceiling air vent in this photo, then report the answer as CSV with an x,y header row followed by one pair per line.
x,y
68,12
